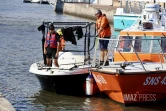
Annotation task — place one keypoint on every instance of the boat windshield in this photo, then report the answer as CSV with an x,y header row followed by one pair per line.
x,y
141,44
163,44
125,43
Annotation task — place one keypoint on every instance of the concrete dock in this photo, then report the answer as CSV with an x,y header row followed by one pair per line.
x,y
86,10
5,105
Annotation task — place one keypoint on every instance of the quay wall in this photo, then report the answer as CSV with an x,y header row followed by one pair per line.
x,y
84,10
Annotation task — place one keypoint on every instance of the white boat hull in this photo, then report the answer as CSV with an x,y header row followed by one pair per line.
x,y
71,82
69,78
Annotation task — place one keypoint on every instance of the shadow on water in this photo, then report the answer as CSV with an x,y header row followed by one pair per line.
x,y
52,101
62,102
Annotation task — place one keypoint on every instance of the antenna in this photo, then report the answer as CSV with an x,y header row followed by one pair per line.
x,y
123,23
145,37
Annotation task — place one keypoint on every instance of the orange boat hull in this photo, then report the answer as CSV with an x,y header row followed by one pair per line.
x,y
132,88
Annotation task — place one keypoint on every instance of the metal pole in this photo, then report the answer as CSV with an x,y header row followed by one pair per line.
x,y
85,45
89,45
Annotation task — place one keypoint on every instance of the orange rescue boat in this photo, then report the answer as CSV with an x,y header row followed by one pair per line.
x,y
137,72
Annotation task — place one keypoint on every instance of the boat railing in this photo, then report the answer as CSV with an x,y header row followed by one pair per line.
x,y
88,29
114,48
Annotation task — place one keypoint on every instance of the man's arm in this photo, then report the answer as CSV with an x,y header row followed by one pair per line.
x,y
45,48
58,40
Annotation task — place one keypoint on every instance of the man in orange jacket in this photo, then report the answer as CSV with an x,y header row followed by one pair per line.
x,y
103,31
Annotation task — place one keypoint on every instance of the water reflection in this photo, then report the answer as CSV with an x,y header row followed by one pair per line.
x,y
49,101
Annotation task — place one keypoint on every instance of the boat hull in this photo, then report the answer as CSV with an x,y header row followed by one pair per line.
x,y
128,20
132,88
27,1
44,1
64,84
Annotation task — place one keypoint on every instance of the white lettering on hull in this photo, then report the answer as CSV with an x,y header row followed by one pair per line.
x,y
154,81
139,97
100,79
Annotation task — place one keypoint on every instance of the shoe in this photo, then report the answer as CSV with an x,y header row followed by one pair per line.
x,y
101,62
106,63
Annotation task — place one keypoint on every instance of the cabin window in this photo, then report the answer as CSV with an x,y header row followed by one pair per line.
x,y
138,44
163,44
125,43
146,43
157,45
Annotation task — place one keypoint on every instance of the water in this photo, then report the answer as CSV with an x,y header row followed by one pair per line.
x,y
20,46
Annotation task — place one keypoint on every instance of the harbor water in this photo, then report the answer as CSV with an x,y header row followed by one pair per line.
x,y
20,46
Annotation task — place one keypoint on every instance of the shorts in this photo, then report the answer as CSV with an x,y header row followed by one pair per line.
x,y
51,52
104,43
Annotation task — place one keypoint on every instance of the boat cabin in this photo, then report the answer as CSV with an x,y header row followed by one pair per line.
x,y
145,39
143,45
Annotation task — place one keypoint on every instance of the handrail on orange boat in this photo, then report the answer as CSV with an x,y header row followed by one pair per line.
x,y
135,52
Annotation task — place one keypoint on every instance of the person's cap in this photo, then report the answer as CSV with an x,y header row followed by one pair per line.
x,y
51,27
98,12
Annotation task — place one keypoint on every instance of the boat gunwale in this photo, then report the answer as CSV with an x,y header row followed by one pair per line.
x,y
128,73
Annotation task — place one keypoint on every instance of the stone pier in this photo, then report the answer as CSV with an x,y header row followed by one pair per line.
x,y
5,105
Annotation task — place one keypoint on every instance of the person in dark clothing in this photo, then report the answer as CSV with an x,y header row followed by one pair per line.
x,y
51,46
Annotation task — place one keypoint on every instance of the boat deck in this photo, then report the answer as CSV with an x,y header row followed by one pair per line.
x,y
133,68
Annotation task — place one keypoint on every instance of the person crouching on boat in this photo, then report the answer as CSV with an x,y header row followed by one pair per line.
x,y
51,46
103,31
61,41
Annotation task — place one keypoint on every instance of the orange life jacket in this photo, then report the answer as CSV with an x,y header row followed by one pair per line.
x,y
103,22
61,43
62,40
51,40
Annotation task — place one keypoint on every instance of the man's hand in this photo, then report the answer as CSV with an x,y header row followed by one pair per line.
x,y
56,55
45,52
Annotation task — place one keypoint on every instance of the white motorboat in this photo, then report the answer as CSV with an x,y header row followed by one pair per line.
x,y
70,77
44,1
35,1
27,1
126,16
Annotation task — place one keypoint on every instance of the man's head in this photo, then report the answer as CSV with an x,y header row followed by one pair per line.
x,y
51,28
98,13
